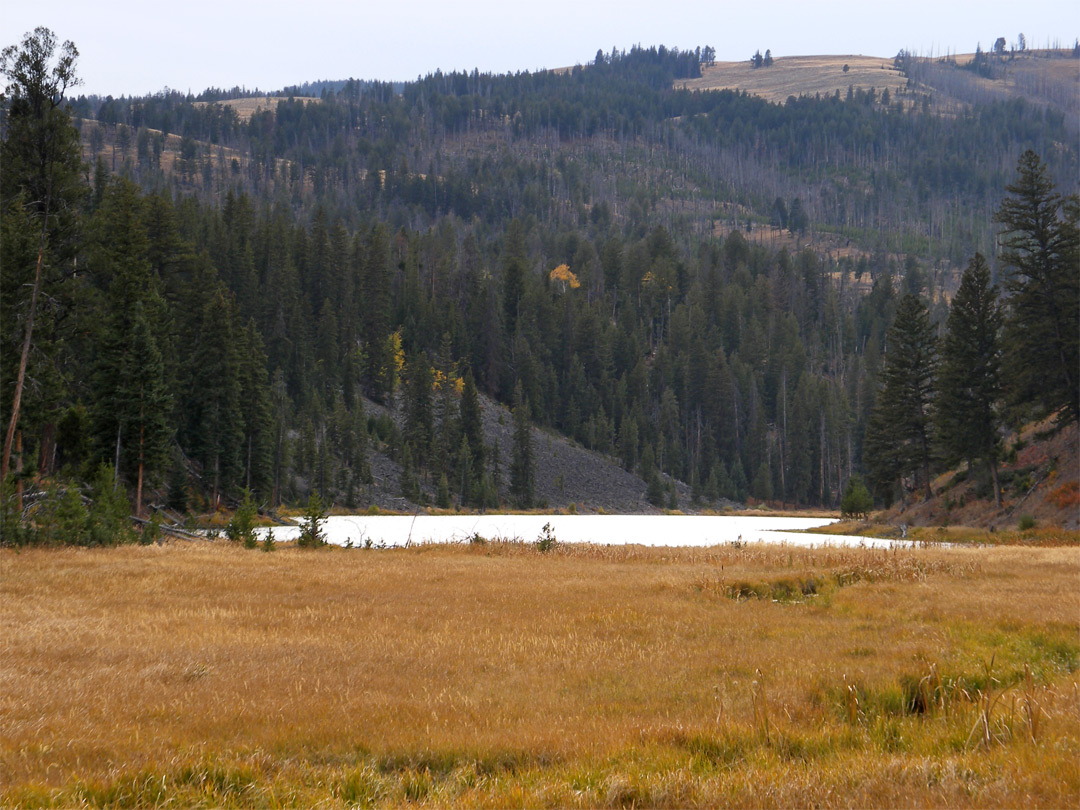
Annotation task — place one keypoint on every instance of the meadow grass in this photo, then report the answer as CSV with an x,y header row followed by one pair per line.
x,y
480,675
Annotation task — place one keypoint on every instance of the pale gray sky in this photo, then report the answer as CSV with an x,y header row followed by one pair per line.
x,y
131,47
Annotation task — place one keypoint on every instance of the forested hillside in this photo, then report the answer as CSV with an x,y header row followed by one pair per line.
x,y
202,303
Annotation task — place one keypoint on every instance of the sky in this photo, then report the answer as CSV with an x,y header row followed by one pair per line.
x,y
131,47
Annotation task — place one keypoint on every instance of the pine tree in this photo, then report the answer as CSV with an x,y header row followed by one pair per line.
x,y
969,382
856,502
472,437
522,472
131,403
40,185
445,440
408,486
1042,323
419,415
144,404
215,426
514,275
375,314
898,437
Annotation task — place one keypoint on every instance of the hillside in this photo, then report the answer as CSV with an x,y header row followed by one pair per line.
x,y
947,84
1039,481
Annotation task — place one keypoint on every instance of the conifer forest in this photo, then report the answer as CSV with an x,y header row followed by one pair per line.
x,y
206,303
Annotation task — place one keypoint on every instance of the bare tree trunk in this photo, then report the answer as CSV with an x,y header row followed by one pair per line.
x,y
20,379
18,469
138,486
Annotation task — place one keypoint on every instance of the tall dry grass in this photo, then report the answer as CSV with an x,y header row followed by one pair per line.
x,y
202,674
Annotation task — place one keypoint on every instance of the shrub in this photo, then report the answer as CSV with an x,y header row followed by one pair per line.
x,y
1025,523
151,531
61,517
109,521
241,528
1068,494
547,540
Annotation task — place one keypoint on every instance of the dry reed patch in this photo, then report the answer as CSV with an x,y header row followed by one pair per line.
x,y
498,675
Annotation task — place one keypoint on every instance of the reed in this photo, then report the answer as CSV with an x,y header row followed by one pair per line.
x,y
496,674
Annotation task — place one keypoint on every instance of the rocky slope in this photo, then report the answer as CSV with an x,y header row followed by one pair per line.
x,y
566,473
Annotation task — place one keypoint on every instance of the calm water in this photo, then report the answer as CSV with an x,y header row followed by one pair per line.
x,y
648,530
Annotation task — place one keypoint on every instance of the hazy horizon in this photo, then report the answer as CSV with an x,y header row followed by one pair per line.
x,y
129,48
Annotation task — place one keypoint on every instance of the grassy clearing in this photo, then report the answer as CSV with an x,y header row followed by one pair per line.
x,y
496,675
802,75
247,107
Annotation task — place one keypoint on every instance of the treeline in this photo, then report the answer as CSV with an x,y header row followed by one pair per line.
x,y
269,341
878,169
947,395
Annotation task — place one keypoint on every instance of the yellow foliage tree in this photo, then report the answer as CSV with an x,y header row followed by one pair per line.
x,y
563,275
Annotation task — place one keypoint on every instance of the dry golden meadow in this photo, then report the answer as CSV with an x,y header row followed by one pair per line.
x,y
495,675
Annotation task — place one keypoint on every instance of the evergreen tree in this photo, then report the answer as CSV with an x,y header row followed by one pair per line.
x,y
408,486
465,472
1042,324
214,431
131,403
375,313
969,381
898,437
856,502
419,416
40,185
144,405
311,532
472,437
256,413
447,429
522,472
514,275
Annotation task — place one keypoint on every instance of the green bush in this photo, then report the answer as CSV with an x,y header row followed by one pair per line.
x,y
109,520
1025,523
61,517
241,528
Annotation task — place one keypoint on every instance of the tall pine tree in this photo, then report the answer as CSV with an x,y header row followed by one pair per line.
x,y
898,437
969,382
1042,324
522,471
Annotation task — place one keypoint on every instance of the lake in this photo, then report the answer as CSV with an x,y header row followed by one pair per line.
x,y
647,530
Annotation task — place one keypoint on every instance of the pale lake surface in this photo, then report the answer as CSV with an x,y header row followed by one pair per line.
x,y
646,530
